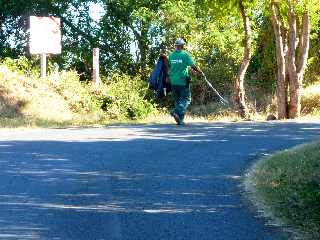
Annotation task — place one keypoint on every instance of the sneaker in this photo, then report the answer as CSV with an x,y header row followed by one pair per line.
x,y
181,123
176,117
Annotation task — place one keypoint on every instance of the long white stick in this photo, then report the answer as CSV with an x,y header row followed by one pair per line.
x,y
222,100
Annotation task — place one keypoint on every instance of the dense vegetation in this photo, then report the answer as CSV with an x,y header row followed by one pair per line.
x,y
62,99
235,42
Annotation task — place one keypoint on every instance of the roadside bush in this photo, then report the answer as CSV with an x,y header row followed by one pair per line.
x,y
120,98
23,65
29,67
125,98
29,101
220,76
78,94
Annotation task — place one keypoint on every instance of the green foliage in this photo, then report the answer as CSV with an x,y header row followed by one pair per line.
x,y
220,74
66,84
126,98
131,34
78,94
299,7
29,100
313,68
263,68
139,22
63,98
23,65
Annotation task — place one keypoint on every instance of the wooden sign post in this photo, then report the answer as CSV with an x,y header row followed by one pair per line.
x,y
43,64
95,68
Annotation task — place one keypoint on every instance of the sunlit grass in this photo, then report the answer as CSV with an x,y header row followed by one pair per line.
x,y
286,188
25,97
311,100
34,102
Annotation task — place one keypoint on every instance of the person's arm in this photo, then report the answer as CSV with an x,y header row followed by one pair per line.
x,y
197,69
193,66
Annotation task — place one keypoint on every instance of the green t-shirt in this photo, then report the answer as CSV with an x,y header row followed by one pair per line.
x,y
180,62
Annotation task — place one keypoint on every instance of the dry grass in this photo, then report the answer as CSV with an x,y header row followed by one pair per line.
x,y
310,102
285,188
29,101
25,101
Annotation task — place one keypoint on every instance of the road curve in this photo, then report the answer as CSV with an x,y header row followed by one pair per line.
x,y
137,182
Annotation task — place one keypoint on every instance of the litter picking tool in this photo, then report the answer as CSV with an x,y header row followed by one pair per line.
x,y
222,100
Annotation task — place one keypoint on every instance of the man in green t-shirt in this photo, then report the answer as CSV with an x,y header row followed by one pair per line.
x,y
180,63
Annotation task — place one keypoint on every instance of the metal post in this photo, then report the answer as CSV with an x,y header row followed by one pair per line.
x,y
95,64
43,65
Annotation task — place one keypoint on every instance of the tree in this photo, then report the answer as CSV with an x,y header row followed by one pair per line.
x,y
291,23
239,98
80,34
221,9
139,19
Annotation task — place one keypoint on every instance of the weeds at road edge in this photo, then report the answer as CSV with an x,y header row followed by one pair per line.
x,y
285,188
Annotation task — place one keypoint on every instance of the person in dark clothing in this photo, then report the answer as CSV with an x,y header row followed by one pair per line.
x,y
180,63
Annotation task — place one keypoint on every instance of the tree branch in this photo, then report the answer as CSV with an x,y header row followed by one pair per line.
x,y
291,55
86,36
305,43
277,30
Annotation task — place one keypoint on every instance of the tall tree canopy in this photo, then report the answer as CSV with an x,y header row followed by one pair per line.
x,y
238,43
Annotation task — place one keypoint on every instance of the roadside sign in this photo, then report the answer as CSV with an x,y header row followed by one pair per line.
x,y
45,35
45,38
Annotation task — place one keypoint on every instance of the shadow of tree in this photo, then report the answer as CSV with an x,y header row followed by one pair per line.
x,y
139,182
10,108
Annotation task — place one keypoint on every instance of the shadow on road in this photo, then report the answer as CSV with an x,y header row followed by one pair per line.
x,y
128,183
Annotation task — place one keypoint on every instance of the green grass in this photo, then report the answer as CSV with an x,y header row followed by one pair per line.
x,y
285,187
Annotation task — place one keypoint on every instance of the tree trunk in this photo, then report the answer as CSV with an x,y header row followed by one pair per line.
x,y
282,97
143,48
297,68
142,39
239,99
291,63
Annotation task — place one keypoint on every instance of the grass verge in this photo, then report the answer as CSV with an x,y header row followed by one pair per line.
x,y
285,187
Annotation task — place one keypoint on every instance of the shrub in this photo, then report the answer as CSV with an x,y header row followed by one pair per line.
x,y
25,100
23,65
62,96
125,98
220,75
78,94
121,98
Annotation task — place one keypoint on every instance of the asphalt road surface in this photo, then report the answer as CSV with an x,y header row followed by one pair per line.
x,y
137,182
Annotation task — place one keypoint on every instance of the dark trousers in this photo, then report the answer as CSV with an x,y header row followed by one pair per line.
x,y
182,99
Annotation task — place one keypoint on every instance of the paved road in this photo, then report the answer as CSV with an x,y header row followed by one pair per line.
x,y
137,182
